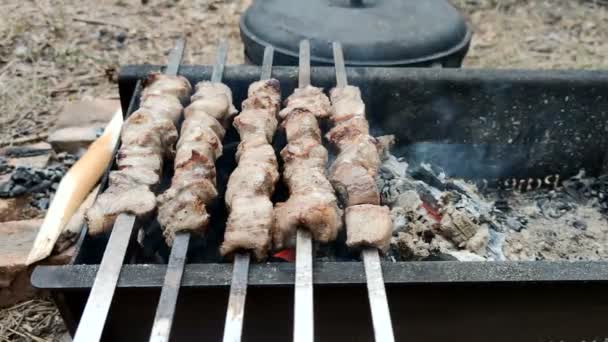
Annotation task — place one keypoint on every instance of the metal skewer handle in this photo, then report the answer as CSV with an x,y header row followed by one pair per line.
x,y
303,329
165,311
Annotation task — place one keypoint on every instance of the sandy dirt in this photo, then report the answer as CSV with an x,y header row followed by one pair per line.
x,y
56,51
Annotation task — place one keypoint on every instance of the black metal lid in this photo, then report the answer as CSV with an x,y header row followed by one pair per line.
x,y
372,32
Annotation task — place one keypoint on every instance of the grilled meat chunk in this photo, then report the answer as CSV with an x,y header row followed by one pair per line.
x,y
312,203
354,184
252,183
368,225
346,104
353,172
309,99
166,85
148,137
217,97
264,95
193,186
132,198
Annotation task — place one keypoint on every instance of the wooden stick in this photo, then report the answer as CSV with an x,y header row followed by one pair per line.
x,y
74,188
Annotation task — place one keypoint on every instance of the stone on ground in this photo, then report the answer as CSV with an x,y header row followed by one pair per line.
x,y
80,123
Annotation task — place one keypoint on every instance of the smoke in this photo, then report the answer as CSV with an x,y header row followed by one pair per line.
x,y
471,161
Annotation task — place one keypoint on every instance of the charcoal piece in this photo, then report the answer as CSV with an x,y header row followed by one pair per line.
x,y
552,209
17,190
412,248
580,225
42,186
26,151
440,257
502,204
457,226
42,203
21,175
393,168
121,37
5,189
409,200
426,174
5,167
428,194
514,224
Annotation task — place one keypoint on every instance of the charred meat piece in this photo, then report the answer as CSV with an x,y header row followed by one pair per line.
x,y
353,172
147,139
252,183
193,186
312,203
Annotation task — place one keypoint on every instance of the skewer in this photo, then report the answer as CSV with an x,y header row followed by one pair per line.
x,y
233,327
303,330
381,316
165,311
96,310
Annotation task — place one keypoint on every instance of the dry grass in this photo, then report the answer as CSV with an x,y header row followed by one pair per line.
x,y
56,51
34,320
53,51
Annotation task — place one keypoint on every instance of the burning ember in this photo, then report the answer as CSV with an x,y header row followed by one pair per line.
x,y
436,217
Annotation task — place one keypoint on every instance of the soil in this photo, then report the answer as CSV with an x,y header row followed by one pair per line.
x,y
52,52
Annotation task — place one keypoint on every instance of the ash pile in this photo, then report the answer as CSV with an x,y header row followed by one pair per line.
x,y
436,217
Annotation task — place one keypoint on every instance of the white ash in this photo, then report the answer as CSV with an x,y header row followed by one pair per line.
x,y
568,223
439,218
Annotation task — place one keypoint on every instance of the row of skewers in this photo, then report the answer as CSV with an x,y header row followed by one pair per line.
x,y
320,200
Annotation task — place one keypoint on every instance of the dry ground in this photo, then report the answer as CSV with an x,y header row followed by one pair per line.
x,y
56,51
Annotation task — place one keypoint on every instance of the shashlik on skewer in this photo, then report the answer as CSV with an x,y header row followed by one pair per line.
x,y
252,183
367,225
263,95
95,313
182,208
354,170
312,204
148,137
200,132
